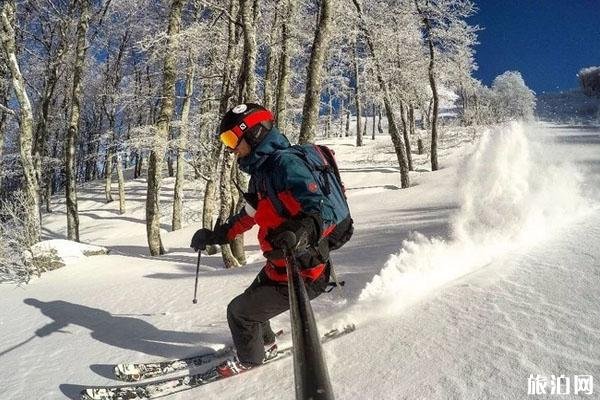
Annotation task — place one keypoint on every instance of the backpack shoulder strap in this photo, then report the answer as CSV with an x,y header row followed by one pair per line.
x,y
267,186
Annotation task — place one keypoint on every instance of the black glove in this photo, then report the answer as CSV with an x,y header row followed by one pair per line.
x,y
306,232
204,237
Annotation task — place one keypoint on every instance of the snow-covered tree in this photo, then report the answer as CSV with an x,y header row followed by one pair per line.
x,y
447,36
512,98
589,78
31,203
162,131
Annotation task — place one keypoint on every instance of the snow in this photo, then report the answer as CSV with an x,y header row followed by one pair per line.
x,y
68,251
462,286
508,198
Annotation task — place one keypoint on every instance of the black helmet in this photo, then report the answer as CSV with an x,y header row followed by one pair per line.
x,y
249,120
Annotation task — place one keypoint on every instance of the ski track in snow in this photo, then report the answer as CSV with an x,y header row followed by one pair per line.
x,y
464,285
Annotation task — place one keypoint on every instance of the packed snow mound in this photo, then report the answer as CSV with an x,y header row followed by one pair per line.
x,y
66,251
512,195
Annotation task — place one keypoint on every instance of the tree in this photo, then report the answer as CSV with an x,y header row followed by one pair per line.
x,y
284,65
271,62
312,99
7,35
589,79
512,98
113,82
357,96
5,112
181,145
397,140
157,153
73,128
247,77
445,32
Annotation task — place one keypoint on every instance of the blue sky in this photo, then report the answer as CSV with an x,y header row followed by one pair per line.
x,y
548,41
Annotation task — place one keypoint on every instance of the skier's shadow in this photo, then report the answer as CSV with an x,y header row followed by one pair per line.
x,y
121,331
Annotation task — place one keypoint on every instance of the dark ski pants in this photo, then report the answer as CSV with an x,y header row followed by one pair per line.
x,y
248,314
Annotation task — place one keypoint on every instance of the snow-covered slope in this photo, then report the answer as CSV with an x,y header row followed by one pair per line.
x,y
499,283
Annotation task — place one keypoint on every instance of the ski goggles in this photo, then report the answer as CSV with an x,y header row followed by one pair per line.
x,y
232,137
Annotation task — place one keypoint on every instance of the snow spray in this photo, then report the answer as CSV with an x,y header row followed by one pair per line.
x,y
511,195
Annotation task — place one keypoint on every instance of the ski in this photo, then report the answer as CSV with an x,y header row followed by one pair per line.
x,y
166,387
133,372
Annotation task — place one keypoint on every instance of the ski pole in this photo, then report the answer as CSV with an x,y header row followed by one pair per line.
x,y
195,301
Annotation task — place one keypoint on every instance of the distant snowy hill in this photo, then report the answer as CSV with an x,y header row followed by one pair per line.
x,y
571,106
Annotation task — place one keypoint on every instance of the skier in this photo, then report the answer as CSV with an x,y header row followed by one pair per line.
x,y
282,196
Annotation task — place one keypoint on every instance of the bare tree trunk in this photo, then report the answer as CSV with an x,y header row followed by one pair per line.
x,y
284,66
411,119
110,111
434,117
91,156
237,245
139,162
399,147
210,198
270,73
218,156
312,99
426,122
405,129
162,133
433,85
209,206
4,114
108,170
374,118
379,127
181,145
40,144
121,180
73,129
330,113
341,117
250,52
226,209
170,163
357,98
347,123
230,170
7,35
48,189
50,177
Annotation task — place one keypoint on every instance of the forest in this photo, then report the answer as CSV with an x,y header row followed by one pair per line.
x,y
134,89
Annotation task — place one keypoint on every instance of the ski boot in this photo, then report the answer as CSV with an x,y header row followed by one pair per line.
x,y
233,367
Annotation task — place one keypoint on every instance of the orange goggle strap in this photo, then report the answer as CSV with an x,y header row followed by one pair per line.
x,y
250,121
